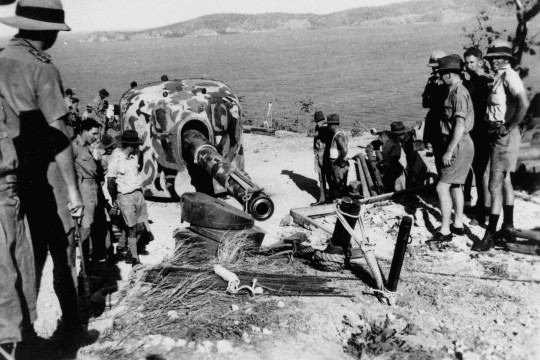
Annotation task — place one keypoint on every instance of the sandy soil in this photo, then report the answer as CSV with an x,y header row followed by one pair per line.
x,y
451,302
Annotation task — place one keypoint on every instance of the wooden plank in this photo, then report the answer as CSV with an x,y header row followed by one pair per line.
x,y
370,184
524,247
526,234
203,210
257,129
254,235
304,220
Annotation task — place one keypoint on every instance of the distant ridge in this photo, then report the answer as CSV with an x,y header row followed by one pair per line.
x,y
419,11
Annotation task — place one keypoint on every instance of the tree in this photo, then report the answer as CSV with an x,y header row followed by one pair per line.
x,y
484,34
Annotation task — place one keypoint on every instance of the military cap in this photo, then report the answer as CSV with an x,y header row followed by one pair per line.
x,y
499,49
332,119
38,15
318,116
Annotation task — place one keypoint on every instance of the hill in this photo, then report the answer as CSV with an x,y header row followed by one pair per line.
x,y
419,11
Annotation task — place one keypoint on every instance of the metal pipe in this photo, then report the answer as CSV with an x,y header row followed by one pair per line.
x,y
237,184
399,253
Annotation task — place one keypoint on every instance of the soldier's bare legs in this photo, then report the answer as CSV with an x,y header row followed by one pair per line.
x,y
459,201
445,200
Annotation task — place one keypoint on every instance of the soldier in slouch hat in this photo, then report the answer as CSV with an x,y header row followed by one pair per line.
x,y
32,88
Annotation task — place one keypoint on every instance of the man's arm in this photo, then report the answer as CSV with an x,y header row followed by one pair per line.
x,y
342,148
521,111
64,160
459,129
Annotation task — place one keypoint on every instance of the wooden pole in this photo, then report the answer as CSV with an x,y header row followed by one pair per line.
x,y
363,179
526,234
369,179
399,253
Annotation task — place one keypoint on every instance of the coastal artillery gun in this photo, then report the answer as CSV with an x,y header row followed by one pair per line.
x,y
192,141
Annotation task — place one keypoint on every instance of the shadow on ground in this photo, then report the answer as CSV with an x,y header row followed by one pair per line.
x,y
303,183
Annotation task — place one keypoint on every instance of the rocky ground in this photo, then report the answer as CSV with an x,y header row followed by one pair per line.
x,y
451,303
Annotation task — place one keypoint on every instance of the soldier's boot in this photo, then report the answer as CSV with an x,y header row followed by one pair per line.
x,y
142,239
504,236
487,242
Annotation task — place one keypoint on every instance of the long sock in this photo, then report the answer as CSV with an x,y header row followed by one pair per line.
x,y
132,243
493,221
508,215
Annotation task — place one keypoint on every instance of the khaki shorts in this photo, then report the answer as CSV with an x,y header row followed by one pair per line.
x,y
505,151
133,208
462,159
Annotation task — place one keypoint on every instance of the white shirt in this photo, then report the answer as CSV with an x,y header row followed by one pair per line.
x,y
125,170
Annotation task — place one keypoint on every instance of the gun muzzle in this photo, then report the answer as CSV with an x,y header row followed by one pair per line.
x,y
237,184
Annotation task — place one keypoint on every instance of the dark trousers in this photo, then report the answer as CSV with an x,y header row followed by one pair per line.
x,y
47,232
336,177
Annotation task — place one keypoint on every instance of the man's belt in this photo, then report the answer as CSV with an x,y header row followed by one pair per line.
x,y
8,178
494,125
131,192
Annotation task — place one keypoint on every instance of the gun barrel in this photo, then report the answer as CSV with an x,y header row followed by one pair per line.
x,y
238,185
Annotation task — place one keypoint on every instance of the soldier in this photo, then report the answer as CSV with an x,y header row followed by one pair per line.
x,y
319,143
125,188
32,87
456,123
337,168
90,113
87,174
394,162
98,104
478,84
506,108
433,98
16,255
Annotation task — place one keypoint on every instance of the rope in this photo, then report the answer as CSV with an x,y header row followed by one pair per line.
x,y
6,355
233,286
328,262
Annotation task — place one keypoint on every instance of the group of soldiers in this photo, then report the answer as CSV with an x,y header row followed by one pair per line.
x,y
476,108
330,146
52,176
99,110
472,126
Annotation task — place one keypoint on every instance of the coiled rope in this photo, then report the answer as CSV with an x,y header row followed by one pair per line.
x,y
233,286
328,262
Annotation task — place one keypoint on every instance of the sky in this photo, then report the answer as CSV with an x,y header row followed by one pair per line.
x,y
98,15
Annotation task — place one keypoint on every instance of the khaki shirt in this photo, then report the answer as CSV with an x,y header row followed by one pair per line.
x,y
502,101
457,104
30,81
125,170
85,165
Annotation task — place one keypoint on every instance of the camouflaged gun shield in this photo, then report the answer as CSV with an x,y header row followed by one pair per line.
x,y
160,112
